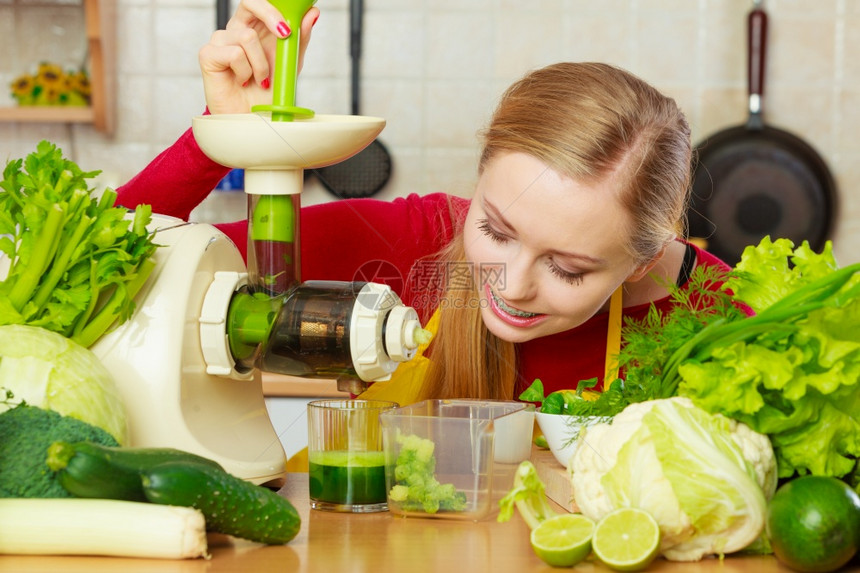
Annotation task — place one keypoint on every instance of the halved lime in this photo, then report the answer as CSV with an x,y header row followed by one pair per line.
x,y
563,540
627,539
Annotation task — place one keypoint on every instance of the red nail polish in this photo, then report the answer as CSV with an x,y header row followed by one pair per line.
x,y
245,83
317,17
265,84
283,29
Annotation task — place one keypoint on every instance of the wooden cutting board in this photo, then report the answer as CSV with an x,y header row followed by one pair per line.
x,y
554,477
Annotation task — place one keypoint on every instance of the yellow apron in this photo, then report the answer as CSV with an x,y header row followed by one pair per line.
x,y
613,337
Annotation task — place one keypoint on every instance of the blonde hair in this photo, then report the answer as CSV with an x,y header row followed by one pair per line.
x,y
585,121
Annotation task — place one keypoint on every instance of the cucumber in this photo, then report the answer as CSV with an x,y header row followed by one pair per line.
x,y
229,504
86,469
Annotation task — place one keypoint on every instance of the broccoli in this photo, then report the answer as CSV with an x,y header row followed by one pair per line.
x,y
25,434
416,487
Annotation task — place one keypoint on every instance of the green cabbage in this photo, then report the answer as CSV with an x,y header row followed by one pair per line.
x,y
48,370
705,478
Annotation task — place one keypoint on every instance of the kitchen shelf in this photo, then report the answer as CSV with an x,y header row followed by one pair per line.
x,y
101,111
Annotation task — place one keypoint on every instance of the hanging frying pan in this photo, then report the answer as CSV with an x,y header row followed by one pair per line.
x,y
222,13
366,172
754,180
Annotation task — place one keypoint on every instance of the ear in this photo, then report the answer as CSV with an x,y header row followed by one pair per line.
x,y
642,270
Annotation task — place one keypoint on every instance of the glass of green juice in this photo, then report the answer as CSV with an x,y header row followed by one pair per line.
x,y
346,462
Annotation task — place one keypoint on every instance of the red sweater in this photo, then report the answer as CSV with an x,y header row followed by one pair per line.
x,y
379,241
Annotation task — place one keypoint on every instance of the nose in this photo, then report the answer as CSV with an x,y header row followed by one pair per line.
x,y
515,278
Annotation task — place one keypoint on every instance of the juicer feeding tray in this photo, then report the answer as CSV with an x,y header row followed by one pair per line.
x,y
254,141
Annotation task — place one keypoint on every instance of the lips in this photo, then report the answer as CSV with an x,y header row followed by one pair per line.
x,y
509,314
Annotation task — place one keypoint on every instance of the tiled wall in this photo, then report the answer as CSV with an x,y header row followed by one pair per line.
x,y
434,69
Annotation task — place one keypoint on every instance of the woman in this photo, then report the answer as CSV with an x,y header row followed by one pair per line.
x,y
583,185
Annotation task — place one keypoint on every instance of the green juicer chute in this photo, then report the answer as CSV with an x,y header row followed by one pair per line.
x,y
273,219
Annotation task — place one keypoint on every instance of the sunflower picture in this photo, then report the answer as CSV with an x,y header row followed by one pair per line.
x,y
51,85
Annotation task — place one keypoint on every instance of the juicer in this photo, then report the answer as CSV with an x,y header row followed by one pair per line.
x,y
188,361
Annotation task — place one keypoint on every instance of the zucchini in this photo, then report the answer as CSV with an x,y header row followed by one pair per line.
x,y
86,469
229,504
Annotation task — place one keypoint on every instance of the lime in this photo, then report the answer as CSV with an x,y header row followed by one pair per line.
x,y
563,540
813,523
627,539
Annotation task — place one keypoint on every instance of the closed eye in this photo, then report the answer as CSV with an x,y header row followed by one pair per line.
x,y
573,278
495,236
567,276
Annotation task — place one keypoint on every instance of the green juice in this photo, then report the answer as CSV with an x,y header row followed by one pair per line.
x,y
347,478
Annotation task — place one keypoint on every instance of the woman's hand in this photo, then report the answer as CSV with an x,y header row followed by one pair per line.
x,y
236,62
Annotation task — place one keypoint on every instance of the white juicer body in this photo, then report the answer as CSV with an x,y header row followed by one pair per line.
x,y
157,361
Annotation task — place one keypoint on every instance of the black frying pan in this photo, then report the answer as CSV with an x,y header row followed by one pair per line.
x,y
754,180
366,172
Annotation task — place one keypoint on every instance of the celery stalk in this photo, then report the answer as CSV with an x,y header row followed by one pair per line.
x,y
67,248
40,259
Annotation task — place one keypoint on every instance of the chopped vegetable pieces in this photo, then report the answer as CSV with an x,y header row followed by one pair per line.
x,y
528,496
415,485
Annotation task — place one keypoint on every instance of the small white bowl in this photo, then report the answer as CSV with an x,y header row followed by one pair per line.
x,y
562,432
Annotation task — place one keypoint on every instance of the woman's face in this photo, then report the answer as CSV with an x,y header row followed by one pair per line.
x,y
546,252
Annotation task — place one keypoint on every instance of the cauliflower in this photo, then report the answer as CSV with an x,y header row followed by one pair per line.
x,y
705,478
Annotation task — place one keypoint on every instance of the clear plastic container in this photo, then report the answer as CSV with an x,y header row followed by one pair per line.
x,y
454,459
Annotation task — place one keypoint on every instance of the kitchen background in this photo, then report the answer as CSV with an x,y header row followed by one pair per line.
x,y
434,69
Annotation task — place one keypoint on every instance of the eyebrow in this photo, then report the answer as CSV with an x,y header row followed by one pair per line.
x,y
497,214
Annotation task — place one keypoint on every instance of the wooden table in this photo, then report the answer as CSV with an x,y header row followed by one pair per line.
x,y
378,542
